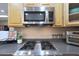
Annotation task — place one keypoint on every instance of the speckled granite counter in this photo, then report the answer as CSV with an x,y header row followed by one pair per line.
x,y
61,46
9,49
65,48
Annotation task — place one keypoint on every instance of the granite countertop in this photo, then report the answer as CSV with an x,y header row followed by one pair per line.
x,y
9,49
61,46
66,49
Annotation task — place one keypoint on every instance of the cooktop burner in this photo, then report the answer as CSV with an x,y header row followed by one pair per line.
x,y
37,48
46,45
29,45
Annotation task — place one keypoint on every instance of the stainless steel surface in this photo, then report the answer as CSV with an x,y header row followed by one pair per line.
x,y
40,8
38,51
38,22
72,37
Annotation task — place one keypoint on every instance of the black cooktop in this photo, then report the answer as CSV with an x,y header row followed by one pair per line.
x,y
46,45
29,45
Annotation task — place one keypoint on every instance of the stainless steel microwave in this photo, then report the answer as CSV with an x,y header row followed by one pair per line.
x,y
38,15
72,37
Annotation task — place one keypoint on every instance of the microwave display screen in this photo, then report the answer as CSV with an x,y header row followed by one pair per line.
x,y
34,16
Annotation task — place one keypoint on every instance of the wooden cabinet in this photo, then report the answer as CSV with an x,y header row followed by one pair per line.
x,y
38,4
15,14
71,14
58,15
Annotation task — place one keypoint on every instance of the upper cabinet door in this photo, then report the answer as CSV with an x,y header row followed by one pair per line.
x,y
58,14
15,13
71,14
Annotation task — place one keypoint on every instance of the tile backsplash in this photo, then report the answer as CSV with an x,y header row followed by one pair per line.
x,y
44,32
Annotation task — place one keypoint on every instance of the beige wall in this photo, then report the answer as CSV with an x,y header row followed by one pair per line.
x,y
42,32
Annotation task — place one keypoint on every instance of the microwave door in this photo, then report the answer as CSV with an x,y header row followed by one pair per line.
x,y
31,16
